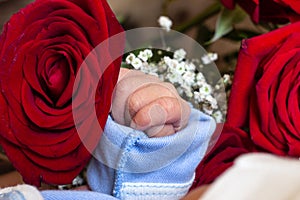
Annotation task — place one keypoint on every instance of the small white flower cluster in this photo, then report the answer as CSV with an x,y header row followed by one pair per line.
x,y
140,62
209,58
227,79
184,74
165,22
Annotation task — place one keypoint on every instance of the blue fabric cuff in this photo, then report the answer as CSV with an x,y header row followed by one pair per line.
x,y
130,165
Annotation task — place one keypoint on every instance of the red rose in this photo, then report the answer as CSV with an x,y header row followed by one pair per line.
x,y
279,11
231,143
293,4
264,101
41,50
265,95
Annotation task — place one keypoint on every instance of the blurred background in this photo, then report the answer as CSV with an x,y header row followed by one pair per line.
x,y
196,18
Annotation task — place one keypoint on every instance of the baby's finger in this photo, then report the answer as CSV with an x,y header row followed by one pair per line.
x,y
147,94
127,85
165,110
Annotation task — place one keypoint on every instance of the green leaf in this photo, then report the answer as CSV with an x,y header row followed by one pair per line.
x,y
125,65
226,20
240,34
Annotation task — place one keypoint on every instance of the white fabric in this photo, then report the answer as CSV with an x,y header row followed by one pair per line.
x,y
150,191
258,176
28,192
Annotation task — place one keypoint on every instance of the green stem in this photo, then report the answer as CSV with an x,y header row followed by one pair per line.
x,y
210,11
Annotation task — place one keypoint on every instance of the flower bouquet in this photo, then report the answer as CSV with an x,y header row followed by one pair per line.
x,y
263,110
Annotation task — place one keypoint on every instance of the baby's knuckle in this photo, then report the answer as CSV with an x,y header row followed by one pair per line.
x,y
134,102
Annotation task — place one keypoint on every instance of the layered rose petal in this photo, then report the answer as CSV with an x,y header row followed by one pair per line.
x,y
264,104
232,143
42,48
278,11
293,4
265,93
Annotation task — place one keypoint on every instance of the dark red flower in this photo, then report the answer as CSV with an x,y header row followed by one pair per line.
x,y
264,101
41,50
265,94
278,11
231,143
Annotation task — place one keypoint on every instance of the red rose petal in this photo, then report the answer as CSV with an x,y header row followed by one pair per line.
x,y
294,104
231,143
40,137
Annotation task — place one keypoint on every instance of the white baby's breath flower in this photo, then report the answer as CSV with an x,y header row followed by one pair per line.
x,y
190,66
179,79
180,68
145,55
209,58
144,68
162,67
227,79
200,80
188,93
174,78
187,90
167,60
171,63
197,96
212,101
207,109
213,56
218,116
189,78
130,58
153,68
148,52
165,22
136,63
205,89
200,77
179,54
149,68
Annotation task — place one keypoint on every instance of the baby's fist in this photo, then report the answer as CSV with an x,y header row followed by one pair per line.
x,y
146,103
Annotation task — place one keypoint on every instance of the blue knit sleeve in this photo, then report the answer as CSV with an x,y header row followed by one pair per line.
x,y
129,165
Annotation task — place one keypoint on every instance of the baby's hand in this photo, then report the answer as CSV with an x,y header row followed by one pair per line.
x,y
146,103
